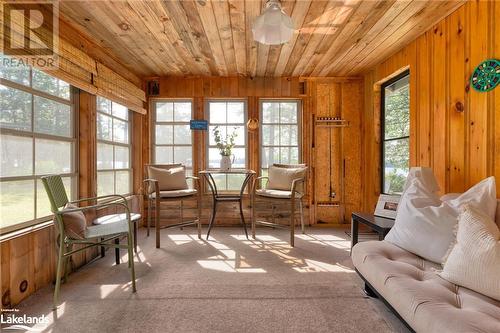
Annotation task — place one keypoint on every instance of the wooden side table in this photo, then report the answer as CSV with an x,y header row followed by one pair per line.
x,y
381,225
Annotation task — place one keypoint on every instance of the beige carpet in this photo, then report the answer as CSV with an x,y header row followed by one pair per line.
x,y
226,284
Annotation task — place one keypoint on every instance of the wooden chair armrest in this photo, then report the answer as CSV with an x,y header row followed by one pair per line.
x,y
148,182
295,183
196,181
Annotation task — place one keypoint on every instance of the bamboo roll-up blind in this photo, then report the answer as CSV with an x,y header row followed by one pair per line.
x,y
82,71
116,87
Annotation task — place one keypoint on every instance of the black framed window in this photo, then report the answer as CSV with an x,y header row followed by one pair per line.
x,y
395,124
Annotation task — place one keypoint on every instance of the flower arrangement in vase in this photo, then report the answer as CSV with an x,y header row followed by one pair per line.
x,y
225,147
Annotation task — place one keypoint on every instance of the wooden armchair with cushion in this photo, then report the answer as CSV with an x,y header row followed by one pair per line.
x,y
168,183
284,184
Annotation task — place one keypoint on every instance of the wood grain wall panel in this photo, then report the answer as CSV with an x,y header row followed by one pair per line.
x,y
5,274
424,100
456,38
461,147
87,145
351,104
478,102
496,97
439,103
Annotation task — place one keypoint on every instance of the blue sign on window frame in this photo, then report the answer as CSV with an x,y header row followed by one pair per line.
x,y
198,125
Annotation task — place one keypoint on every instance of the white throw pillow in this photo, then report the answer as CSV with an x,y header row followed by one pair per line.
x,y
474,260
424,224
482,195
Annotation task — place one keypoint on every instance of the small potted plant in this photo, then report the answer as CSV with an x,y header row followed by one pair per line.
x,y
225,147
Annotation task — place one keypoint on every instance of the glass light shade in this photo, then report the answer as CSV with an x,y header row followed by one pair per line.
x,y
273,27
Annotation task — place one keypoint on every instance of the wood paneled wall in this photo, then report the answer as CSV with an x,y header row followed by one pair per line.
x,y
461,147
349,105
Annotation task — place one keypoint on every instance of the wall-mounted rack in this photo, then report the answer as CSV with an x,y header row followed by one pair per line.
x,y
331,122
328,204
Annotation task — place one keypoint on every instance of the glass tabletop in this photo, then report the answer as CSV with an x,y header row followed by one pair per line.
x,y
232,171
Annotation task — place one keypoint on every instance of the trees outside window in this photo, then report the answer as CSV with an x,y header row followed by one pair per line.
x,y
172,138
395,133
37,137
114,170
280,133
230,117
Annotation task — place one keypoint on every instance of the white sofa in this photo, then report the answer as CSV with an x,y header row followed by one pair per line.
x,y
410,286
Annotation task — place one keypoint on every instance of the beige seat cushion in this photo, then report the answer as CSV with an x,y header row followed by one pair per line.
x,y
110,225
424,300
279,194
115,218
282,178
474,260
169,179
175,194
75,223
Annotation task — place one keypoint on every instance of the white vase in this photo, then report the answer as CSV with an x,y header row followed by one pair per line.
x,y
225,163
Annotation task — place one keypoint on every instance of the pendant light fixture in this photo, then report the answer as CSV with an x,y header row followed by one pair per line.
x,y
273,26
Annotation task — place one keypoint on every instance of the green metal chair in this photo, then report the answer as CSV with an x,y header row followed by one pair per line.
x,y
102,234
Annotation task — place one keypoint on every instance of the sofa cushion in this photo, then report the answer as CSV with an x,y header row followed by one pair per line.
x,y
474,260
424,300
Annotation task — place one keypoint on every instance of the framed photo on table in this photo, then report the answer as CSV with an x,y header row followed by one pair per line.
x,y
387,206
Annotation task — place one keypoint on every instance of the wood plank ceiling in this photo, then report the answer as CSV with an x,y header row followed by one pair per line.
x,y
214,38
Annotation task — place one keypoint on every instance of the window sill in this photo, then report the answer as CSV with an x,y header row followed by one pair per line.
x,y
26,230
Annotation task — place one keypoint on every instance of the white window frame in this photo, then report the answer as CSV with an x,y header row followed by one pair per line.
x,y
209,133
72,102
115,144
262,123
189,168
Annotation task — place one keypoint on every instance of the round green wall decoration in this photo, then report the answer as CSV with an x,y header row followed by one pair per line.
x,y
486,76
